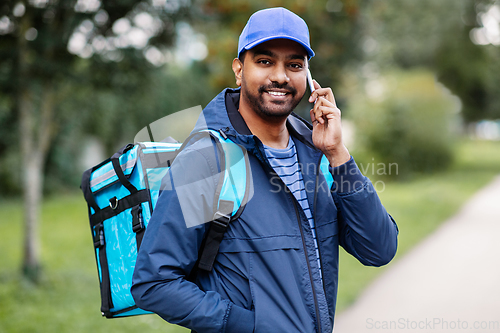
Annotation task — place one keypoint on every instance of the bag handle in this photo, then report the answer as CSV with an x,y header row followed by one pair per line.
x,y
118,170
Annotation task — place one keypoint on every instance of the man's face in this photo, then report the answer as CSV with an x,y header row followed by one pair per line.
x,y
272,77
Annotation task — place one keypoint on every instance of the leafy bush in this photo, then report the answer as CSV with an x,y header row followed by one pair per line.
x,y
405,119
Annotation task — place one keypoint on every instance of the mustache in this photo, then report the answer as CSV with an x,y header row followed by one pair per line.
x,y
285,87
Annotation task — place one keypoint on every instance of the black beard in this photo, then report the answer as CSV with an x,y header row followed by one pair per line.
x,y
257,101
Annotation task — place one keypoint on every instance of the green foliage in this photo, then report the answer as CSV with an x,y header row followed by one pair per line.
x,y
105,88
408,122
407,33
437,35
420,205
471,72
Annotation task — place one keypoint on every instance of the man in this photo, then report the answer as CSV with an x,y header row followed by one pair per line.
x,y
277,266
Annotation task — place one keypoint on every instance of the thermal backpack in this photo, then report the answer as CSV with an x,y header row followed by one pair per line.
x,y
122,192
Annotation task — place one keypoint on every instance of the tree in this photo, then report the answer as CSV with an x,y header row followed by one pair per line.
x,y
437,35
50,48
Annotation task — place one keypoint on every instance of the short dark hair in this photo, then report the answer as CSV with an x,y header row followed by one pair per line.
x,y
242,54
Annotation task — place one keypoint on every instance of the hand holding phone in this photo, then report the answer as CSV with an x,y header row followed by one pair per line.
x,y
327,130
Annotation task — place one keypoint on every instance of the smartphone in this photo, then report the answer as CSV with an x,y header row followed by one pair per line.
x,y
310,80
311,83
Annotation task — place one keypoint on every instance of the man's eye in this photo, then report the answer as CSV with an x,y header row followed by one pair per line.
x,y
264,62
296,66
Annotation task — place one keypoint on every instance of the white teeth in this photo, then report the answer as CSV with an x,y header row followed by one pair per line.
x,y
276,93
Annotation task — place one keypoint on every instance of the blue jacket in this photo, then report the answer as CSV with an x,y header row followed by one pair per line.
x,y
266,276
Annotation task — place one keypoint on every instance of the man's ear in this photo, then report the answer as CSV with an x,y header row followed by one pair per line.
x,y
237,69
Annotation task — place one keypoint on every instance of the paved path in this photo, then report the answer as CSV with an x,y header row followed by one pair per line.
x,y
448,283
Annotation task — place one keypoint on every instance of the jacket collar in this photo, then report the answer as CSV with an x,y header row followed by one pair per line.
x,y
232,100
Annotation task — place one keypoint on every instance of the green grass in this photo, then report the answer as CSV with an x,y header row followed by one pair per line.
x,y
67,298
419,206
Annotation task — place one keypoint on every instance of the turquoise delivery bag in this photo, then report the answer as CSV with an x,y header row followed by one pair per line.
x,y
121,194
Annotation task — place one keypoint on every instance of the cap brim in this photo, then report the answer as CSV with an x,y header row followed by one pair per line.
x,y
310,52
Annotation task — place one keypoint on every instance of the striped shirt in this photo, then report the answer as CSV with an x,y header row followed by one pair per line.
x,y
286,165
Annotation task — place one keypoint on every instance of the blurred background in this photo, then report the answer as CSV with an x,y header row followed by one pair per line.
x,y
417,82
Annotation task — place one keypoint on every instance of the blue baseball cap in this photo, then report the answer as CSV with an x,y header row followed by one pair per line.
x,y
274,23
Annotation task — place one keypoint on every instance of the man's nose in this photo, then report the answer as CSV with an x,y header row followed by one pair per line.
x,y
279,75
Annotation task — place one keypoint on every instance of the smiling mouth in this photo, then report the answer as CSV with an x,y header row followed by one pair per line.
x,y
276,93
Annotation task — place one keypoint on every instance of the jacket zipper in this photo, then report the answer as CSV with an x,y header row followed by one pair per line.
x,y
309,270
316,307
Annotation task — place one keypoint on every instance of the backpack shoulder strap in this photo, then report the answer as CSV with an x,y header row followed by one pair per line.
x,y
324,166
235,186
232,195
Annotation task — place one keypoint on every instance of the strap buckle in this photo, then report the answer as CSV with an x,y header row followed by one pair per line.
x,y
99,236
137,219
222,219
